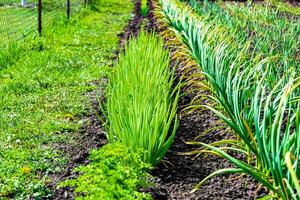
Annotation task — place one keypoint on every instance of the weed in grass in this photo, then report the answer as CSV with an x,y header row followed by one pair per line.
x,y
115,172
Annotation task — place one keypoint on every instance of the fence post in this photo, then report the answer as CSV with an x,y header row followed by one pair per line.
x,y
40,17
68,9
23,3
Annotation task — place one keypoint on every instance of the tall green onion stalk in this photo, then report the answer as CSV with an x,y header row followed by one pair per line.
x,y
141,100
260,106
144,8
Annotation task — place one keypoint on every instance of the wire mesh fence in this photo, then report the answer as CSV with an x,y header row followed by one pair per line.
x,y
20,18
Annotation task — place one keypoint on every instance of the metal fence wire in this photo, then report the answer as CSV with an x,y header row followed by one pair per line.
x,y
19,18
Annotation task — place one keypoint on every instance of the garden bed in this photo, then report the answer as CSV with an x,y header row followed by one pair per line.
x,y
91,135
220,187
178,174
140,139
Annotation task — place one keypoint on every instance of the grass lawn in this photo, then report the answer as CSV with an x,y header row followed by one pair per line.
x,y
43,94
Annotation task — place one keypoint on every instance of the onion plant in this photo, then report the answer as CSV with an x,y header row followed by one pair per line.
x,y
141,100
144,7
259,102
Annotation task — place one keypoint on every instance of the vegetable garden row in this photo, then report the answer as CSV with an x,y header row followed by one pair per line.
x,y
249,58
237,61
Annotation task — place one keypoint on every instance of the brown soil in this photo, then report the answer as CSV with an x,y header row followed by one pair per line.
x,y
89,137
133,27
176,176
295,3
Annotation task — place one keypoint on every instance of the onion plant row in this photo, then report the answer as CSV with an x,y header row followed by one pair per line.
x,y
141,100
269,32
258,94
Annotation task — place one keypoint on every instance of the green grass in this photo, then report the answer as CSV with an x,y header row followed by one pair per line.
x,y
43,88
141,101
